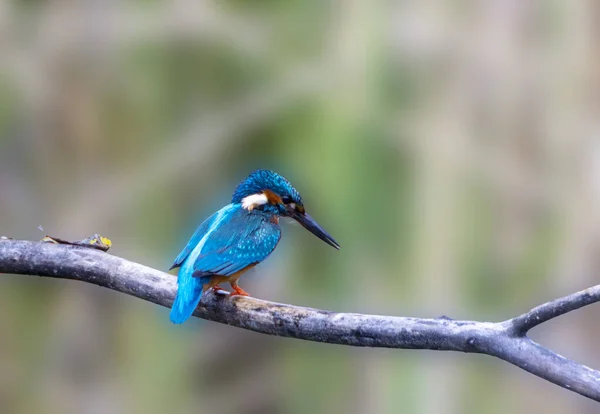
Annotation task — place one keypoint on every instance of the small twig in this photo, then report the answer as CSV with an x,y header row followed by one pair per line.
x,y
94,242
505,340
550,310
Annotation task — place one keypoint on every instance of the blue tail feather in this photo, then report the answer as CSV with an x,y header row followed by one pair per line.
x,y
189,293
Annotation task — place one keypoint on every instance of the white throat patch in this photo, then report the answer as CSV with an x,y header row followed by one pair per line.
x,y
253,201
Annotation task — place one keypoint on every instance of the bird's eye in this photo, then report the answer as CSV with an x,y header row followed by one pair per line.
x,y
286,199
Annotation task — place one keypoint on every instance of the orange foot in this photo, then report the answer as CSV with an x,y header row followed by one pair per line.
x,y
238,291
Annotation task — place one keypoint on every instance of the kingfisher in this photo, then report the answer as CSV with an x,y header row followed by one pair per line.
x,y
238,237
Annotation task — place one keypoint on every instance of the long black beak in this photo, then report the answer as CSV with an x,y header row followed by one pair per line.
x,y
311,225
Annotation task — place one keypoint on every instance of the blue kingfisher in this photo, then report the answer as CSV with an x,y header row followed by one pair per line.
x,y
238,237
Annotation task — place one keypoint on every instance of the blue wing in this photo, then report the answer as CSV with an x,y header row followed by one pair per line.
x,y
189,288
198,235
243,239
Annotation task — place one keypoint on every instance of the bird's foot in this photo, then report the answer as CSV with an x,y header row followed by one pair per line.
x,y
216,288
238,291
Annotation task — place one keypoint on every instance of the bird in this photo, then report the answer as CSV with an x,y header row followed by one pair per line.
x,y
238,237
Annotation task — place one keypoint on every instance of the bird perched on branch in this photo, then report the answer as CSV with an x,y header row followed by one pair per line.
x,y
237,238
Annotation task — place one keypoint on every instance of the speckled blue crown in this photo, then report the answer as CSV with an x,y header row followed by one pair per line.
x,y
261,180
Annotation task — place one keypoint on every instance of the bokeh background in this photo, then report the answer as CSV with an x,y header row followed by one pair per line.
x,y
452,148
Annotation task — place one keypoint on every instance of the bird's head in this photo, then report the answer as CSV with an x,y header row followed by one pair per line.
x,y
267,191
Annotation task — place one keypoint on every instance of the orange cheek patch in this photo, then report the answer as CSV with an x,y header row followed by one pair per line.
x,y
272,197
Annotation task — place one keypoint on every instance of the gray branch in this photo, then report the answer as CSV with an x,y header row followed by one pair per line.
x,y
505,340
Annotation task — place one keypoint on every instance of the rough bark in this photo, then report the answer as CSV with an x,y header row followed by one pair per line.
x,y
506,340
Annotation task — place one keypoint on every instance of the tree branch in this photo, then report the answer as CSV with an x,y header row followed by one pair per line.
x,y
505,340
550,310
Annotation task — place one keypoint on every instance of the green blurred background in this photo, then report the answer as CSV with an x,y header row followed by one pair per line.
x,y
452,148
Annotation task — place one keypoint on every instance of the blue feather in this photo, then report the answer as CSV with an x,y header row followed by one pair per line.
x,y
189,288
229,241
238,237
189,293
242,239
193,242
259,180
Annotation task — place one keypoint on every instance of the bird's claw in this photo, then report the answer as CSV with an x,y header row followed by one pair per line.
x,y
238,291
216,288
